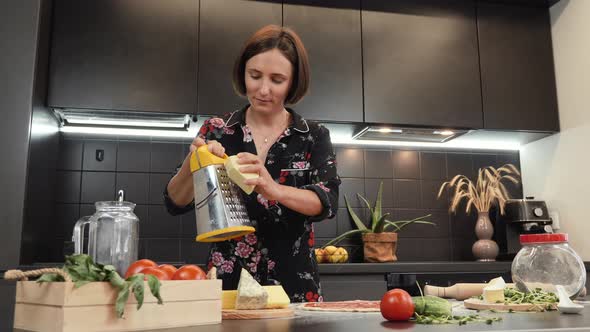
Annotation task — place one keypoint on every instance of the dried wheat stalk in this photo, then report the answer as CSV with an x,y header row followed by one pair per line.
x,y
487,191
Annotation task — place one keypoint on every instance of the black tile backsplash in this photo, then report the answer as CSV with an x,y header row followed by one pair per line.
x,y
406,194
378,164
406,164
70,156
163,250
135,185
411,179
160,224
459,163
133,156
68,186
98,186
372,188
350,162
165,157
66,216
157,184
423,249
100,156
430,200
349,188
417,176
194,252
433,165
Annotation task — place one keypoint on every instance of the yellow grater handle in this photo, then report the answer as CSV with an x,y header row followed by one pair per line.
x,y
201,157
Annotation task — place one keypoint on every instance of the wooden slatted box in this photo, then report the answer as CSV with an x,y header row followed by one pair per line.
x,y
59,307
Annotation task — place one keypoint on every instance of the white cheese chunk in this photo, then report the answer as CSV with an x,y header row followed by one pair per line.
x,y
250,294
493,295
233,171
494,291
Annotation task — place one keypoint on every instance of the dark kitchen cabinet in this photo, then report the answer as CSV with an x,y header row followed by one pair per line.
x,y
225,25
332,37
517,72
420,63
125,55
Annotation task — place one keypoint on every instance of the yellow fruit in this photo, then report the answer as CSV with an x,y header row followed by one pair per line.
x,y
330,250
334,258
343,256
320,255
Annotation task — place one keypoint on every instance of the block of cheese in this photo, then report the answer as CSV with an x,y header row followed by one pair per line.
x,y
250,294
494,291
277,298
233,171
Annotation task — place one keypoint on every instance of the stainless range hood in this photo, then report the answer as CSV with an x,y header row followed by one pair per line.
x,y
396,134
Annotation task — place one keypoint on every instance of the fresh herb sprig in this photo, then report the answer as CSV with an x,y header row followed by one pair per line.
x,y
536,296
82,269
429,318
460,320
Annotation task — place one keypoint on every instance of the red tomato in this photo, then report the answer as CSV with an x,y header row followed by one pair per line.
x,y
157,272
138,266
189,272
397,304
169,269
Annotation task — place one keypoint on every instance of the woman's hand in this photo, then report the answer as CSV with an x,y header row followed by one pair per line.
x,y
265,185
213,146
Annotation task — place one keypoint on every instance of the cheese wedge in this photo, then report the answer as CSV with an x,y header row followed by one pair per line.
x,y
277,298
494,291
250,294
233,171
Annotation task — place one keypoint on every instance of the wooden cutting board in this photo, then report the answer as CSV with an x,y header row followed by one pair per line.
x,y
256,314
481,305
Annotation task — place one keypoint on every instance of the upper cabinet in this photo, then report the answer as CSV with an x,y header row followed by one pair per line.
x,y
428,63
517,71
125,55
420,61
225,25
331,32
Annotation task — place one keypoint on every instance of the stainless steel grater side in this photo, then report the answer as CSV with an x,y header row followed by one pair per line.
x,y
219,208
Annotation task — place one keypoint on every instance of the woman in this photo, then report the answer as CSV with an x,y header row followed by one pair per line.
x,y
298,184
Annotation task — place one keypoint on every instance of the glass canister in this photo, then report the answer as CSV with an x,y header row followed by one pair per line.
x,y
547,260
113,234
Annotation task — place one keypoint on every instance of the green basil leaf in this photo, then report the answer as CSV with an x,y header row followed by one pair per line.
x,y
154,284
122,300
137,286
50,277
115,279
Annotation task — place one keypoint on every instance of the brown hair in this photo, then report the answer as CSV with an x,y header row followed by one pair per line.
x,y
290,45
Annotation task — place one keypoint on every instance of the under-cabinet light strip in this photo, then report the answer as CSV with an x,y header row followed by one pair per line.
x,y
127,132
474,145
337,140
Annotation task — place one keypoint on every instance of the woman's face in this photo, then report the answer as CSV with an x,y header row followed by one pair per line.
x,y
268,79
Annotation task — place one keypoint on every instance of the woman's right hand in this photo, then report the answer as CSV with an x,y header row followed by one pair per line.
x,y
213,146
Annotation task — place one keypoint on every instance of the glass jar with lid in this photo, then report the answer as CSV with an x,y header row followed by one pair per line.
x,y
547,260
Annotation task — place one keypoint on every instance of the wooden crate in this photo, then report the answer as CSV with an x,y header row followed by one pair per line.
x,y
58,307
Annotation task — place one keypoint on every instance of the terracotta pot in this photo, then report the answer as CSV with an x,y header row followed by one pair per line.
x,y
380,247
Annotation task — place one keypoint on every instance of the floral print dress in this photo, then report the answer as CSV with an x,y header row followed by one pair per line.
x,y
281,249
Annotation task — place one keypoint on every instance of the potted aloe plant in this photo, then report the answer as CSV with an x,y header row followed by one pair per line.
x,y
380,236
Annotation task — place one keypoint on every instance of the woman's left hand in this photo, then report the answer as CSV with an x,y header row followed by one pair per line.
x,y
265,185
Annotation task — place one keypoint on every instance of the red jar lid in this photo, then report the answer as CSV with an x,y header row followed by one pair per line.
x,y
543,238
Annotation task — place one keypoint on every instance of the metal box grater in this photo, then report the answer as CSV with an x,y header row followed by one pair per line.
x,y
219,208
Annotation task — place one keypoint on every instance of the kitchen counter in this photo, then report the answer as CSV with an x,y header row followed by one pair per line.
x,y
373,322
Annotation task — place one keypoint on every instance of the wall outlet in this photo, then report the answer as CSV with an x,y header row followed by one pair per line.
x,y
554,215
